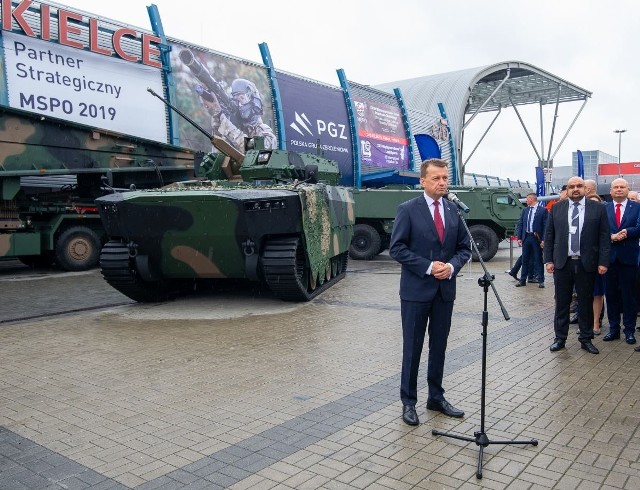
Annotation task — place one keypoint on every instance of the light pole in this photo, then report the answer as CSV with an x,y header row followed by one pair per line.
x,y
619,131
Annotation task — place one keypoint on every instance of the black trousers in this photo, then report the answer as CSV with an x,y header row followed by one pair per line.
x,y
565,279
621,297
531,256
419,318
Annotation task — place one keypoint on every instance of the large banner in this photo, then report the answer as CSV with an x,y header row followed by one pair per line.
x,y
83,87
226,97
627,168
383,141
315,113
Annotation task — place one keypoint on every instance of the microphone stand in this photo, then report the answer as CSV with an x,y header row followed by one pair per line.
x,y
480,437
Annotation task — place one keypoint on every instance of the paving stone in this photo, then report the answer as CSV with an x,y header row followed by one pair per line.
x,y
306,396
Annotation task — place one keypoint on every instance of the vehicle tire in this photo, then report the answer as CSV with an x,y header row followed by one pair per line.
x,y
77,249
486,241
365,243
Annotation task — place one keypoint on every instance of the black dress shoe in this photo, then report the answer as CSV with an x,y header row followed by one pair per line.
x,y
637,348
520,284
444,407
630,339
513,274
557,345
590,348
409,415
611,336
574,320
541,285
532,281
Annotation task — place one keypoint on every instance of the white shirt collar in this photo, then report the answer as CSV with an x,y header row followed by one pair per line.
x,y
430,201
581,202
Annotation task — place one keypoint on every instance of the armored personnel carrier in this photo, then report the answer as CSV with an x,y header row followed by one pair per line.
x,y
494,212
265,215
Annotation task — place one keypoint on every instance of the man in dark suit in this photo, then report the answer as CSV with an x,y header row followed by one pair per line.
x,y
430,242
576,248
624,224
515,270
531,234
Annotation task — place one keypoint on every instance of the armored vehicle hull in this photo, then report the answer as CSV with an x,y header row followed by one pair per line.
x,y
494,212
294,238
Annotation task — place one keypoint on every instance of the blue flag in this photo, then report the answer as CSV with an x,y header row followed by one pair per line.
x,y
539,181
580,165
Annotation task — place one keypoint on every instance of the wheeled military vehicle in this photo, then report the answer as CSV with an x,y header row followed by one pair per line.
x,y
265,215
51,170
494,212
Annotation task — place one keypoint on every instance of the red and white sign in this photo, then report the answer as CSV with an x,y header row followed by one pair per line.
x,y
67,30
628,168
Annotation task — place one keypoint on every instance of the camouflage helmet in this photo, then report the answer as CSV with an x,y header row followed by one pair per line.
x,y
241,87
246,95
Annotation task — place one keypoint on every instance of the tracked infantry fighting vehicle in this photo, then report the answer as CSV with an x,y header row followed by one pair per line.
x,y
267,215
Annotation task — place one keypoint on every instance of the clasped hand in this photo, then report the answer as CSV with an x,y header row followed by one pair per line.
x,y
440,270
621,235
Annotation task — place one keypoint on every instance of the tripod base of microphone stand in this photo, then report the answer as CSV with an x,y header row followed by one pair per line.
x,y
481,439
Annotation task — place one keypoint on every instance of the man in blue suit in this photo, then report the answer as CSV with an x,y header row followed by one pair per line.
x,y
530,236
430,242
624,224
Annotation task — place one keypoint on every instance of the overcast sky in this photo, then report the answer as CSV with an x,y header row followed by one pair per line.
x,y
592,44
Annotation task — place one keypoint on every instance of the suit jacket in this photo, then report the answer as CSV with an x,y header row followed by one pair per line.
x,y
415,244
538,225
625,251
595,238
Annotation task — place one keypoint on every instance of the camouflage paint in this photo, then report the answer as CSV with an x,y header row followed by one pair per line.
x,y
33,145
328,225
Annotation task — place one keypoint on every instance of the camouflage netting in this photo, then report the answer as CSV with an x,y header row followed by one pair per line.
x,y
317,227
326,235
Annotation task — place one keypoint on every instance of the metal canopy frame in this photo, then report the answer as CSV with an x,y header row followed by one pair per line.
x,y
467,93
522,86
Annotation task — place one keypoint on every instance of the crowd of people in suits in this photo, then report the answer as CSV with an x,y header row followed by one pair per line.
x,y
591,247
588,246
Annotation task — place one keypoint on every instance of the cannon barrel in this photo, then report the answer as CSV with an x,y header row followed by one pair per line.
x,y
221,145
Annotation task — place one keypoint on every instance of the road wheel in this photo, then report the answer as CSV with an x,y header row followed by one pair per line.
x,y
365,243
486,240
77,249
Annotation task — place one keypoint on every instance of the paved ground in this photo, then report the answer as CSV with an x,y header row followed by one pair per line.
x,y
240,390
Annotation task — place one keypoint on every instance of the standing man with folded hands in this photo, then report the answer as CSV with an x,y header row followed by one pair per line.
x,y
624,224
431,243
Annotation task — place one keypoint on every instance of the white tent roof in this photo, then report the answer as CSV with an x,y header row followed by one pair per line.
x,y
482,89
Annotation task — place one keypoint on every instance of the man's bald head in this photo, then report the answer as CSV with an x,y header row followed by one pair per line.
x,y
575,189
590,186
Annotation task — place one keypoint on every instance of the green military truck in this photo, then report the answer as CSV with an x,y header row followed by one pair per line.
x,y
494,212
51,171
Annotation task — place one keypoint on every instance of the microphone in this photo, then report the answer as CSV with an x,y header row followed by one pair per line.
x,y
454,199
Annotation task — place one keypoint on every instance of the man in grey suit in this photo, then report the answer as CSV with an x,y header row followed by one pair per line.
x,y
430,242
576,248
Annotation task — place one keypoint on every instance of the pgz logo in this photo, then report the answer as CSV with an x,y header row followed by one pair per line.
x,y
332,129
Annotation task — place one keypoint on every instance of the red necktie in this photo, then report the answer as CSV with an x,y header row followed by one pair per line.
x,y
437,219
618,215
